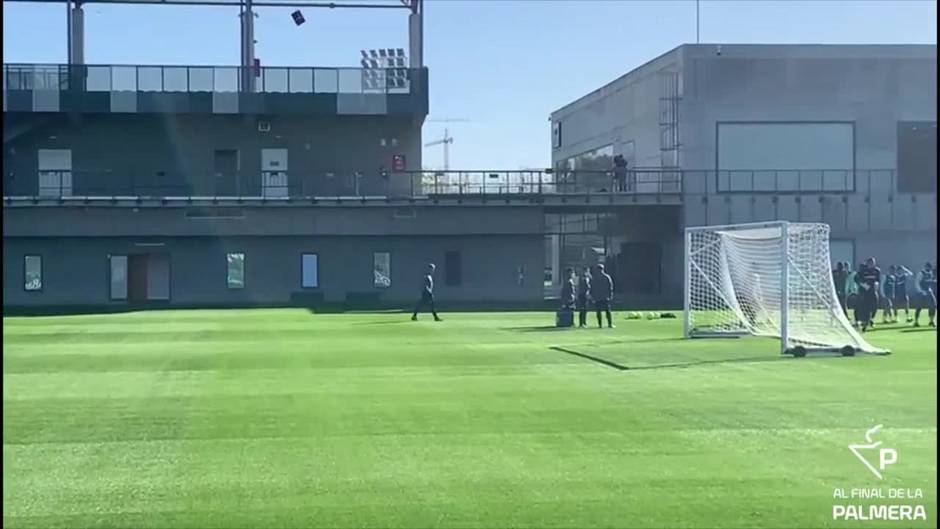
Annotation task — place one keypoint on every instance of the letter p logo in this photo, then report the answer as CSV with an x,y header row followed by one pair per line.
x,y
889,456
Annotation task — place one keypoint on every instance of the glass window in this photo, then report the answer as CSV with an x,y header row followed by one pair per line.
x,y
310,277
235,270
917,157
452,272
118,265
381,269
32,272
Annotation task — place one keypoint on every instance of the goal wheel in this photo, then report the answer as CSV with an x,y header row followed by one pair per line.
x,y
848,350
799,351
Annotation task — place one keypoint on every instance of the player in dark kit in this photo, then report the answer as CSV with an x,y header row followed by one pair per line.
x,y
838,279
901,298
926,294
887,296
427,295
868,279
602,290
584,296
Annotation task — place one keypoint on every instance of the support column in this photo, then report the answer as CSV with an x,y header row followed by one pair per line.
x,y
416,35
76,33
248,47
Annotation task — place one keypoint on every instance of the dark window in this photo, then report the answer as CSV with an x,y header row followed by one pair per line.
x,y
452,273
32,273
638,268
917,156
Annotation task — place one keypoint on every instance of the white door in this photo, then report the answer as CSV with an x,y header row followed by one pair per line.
x,y
55,172
274,172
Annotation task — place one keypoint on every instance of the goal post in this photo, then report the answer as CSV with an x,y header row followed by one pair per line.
x,y
769,279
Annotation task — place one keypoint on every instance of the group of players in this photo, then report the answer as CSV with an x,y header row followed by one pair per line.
x,y
596,288
866,289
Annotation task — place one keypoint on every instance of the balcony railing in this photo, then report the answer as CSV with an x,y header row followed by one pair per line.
x,y
448,184
213,79
64,184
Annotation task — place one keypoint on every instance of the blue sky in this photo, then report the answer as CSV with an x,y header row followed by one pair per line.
x,y
504,65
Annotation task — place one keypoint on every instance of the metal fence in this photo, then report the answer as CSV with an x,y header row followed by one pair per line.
x,y
356,184
187,79
295,184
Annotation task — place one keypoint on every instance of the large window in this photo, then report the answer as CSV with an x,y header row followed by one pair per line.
x,y
786,156
600,159
32,273
452,272
235,270
917,156
310,273
381,270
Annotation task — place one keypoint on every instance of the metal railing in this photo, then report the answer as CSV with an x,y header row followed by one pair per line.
x,y
214,79
344,184
481,183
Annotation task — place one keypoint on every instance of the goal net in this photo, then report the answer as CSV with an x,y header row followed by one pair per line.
x,y
768,279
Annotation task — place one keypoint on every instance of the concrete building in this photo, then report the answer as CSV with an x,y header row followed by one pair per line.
x,y
143,186
841,134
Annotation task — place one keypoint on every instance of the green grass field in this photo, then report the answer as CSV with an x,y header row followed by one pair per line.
x,y
286,418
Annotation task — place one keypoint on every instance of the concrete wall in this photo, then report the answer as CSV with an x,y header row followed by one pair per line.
x,y
622,111
871,87
66,221
111,153
76,269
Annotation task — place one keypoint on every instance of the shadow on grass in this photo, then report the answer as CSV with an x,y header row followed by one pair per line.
x,y
921,329
540,328
674,365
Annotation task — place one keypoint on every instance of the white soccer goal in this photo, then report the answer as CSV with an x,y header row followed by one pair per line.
x,y
766,279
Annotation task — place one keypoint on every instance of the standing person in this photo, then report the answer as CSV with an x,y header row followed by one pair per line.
x,y
868,279
427,294
602,290
887,294
838,279
584,293
851,292
567,290
926,294
901,297
620,172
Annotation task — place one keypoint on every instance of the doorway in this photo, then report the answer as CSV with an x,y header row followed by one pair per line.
x,y
140,278
225,165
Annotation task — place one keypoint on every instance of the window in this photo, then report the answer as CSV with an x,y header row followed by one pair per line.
x,y
55,172
32,273
235,270
310,276
917,157
556,134
118,265
452,274
381,270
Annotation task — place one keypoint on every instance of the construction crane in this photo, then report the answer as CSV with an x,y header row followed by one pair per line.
x,y
446,140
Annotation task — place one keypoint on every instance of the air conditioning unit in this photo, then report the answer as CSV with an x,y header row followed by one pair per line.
x,y
264,126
